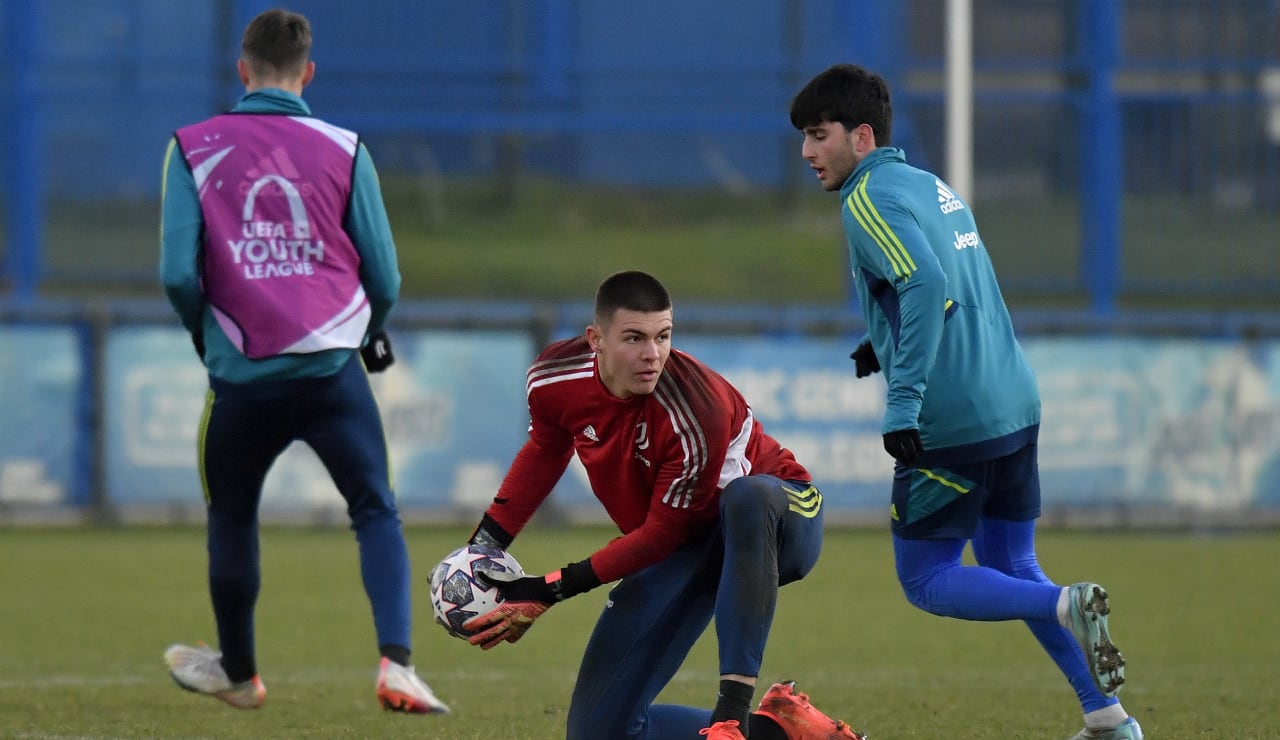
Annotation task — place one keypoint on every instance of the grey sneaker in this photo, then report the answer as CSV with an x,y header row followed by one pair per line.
x,y
1126,730
199,669
1089,609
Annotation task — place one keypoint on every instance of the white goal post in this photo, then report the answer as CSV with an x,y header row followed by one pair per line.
x,y
959,97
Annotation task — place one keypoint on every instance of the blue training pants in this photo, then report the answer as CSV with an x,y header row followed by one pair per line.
x,y
245,428
769,534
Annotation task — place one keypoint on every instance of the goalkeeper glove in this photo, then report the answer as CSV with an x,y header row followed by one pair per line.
x,y
377,353
864,360
905,446
524,599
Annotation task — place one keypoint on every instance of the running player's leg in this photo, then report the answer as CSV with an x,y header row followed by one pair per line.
x,y
344,427
936,512
241,435
1005,540
1009,546
646,630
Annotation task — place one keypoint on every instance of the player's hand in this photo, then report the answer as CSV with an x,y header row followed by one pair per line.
x,y
905,446
864,359
525,598
377,353
197,341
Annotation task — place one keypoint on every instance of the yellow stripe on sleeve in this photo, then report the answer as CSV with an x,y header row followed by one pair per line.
x,y
898,268
164,179
865,212
895,244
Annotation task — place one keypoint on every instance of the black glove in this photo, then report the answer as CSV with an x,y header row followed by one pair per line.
x,y
524,599
864,360
520,588
569,581
377,353
197,341
905,446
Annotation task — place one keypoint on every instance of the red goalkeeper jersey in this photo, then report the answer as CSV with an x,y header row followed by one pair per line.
x,y
656,462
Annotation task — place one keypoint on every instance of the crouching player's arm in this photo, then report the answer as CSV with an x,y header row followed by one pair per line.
x,y
524,599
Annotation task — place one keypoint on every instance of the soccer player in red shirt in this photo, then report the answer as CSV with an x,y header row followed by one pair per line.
x,y
715,515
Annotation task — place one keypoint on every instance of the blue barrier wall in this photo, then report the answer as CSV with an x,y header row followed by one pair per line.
x,y
45,417
452,406
1130,423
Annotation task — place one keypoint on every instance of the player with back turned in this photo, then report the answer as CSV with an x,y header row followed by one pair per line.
x,y
962,412
715,516
277,255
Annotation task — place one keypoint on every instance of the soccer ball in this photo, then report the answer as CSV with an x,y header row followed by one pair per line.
x,y
458,595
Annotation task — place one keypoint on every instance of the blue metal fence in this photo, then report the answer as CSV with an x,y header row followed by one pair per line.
x,y
1092,102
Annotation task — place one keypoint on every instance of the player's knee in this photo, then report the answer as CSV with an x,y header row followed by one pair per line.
x,y
1022,567
916,594
372,511
748,503
921,590
593,723
1028,570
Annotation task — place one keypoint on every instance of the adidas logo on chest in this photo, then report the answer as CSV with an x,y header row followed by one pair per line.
x,y
947,200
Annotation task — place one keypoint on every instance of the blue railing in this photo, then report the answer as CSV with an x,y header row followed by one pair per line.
x,y
1105,100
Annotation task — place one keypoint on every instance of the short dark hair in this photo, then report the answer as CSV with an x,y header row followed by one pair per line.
x,y
631,290
277,42
849,95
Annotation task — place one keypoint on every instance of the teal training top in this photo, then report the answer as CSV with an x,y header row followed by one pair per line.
x,y
934,312
182,229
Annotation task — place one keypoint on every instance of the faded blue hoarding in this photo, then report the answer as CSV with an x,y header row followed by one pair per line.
x,y
43,409
1129,421
1184,422
453,406
153,396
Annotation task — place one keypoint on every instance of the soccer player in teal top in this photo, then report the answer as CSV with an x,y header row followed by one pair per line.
x,y
963,411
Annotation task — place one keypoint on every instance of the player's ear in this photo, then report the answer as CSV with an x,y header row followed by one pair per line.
x,y
864,137
593,337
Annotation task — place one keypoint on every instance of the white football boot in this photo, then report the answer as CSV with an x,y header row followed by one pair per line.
x,y
199,669
401,690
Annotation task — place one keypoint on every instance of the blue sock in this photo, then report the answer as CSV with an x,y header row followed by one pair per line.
x,y
1009,546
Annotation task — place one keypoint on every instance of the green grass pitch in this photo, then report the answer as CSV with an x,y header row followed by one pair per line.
x,y
86,614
